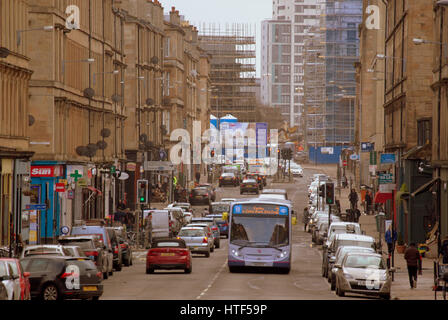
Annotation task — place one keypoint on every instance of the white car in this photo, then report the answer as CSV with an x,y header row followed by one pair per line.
x,y
10,281
43,249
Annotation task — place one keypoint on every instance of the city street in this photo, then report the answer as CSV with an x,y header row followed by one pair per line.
x,y
211,279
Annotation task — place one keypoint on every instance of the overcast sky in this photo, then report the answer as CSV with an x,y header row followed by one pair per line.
x,y
224,11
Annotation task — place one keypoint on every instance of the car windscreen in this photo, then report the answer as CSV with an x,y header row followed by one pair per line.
x,y
40,251
248,181
200,191
272,196
268,230
220,208
356,243
168,244
192,233
84,265
83,244
363,262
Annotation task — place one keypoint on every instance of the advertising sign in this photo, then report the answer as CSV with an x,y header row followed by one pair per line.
x,y
385,178
387,158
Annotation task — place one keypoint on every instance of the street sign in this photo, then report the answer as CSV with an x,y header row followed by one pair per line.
x,y
385,178
158,166
60,187
353,157
367,146
387,158
113,169
65,230
36,207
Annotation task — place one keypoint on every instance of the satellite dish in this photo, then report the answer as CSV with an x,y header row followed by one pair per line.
x,y
31,120
155,60
101,145
123,176
91,149
81,151
116,98
143,137
105,133
89,93
4,52
149,102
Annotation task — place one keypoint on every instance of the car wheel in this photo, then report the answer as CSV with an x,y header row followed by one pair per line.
x,y
233,269
119,267
217,246
339,292
96,298
207,254
212,248
50,293
127,262
333,285
188,270
385,296
149,270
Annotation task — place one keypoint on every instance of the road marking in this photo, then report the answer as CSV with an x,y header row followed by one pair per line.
x,y
213,281
254,286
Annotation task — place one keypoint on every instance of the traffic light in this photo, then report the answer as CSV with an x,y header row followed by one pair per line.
x,y
329,193
321,190
142,191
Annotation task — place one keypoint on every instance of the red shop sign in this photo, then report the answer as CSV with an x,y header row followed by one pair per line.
x,y
60,187
46,171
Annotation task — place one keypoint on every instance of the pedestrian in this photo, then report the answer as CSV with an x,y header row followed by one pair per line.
x,y
344,182
444,251
368,200
391,238
413,260
198,176
305,218
353,198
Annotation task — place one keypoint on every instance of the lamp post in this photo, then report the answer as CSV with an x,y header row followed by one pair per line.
x,y
88,60
44,28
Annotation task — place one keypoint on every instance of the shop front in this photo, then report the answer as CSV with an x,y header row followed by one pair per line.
x,y
45,205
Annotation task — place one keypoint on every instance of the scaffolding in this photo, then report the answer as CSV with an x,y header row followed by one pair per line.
x,y
313,120
340,23
233,69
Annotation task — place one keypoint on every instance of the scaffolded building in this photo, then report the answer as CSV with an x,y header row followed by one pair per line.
x,y
340,23
233,72
313,120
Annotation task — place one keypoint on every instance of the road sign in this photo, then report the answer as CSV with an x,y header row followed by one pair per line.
x,y
387,158
385,178
367,146
353,157
60,187
65,230
158,166
36,206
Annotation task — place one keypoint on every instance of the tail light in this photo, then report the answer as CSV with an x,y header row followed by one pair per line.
x,y
220,178
182,252
91,253
116,249
99,275
153,253
178,238
226,225
215,228
123,246
204,240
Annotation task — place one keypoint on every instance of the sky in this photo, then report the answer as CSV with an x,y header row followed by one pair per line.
x,y
224,11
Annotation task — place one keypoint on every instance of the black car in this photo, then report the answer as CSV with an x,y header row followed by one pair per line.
x,y
228,178
57,277
210,189
92,248
116,248
249,186
200,196
126,250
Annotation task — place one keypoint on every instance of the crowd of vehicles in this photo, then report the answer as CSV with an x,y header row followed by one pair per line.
x,y
351,261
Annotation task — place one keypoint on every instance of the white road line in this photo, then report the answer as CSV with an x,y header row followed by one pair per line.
x,y
213,281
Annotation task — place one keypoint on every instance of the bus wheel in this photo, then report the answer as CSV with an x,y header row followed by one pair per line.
x,y
233,269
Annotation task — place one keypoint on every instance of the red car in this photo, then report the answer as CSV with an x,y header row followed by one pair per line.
x,y
168,254
23,277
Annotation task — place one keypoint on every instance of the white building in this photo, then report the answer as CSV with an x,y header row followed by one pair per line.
x,y
282,61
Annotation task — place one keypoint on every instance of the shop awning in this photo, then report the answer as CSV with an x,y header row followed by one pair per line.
x,y
425,187
382,197
93,189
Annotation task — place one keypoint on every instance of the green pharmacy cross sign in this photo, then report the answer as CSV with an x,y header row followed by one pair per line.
x,y
76,175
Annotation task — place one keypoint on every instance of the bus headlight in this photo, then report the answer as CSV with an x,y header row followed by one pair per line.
x,y
282,255
235,253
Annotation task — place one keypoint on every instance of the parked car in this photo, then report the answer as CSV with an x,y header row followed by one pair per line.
x,y
160,223
11,280
321,231
184,205
200,196
196,239
187,217
50,277
337,259
57,250
363,273
249,186
215,229
228,178
103,236
211,190
126,250
345,239
169,254
93,249
176,221
3,292
118,257
18,272
341,227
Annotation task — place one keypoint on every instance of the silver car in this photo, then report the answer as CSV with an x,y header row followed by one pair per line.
x,y
196,239
337,259
10,280
208,229
363,273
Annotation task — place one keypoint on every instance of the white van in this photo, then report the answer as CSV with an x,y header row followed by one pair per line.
x,y
160,223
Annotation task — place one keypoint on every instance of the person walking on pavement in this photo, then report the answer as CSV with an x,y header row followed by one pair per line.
x,y
353,198
198,176
368,200
305,218
391,238
413,260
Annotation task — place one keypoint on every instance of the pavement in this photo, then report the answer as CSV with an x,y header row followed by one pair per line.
x,y
400,287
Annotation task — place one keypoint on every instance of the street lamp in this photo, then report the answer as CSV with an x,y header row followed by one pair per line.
x,y
115,72
44,28
89,60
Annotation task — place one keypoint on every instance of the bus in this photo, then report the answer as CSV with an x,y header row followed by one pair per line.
x,y
260,234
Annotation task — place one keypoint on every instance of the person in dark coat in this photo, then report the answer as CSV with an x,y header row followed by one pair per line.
x,y
391,238
353,198
198,176
368,200
413,260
